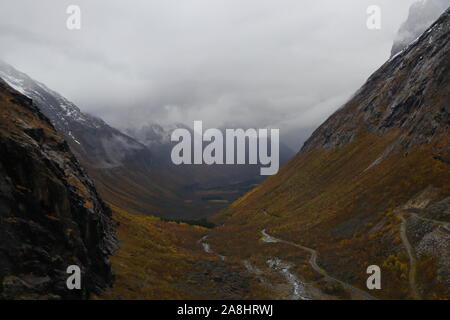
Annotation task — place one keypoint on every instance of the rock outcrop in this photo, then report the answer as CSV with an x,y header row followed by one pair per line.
x,y
50,214
374,175
409,92
421,15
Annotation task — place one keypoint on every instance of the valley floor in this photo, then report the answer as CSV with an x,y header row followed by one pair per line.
x,y
166,260
169,260
158,259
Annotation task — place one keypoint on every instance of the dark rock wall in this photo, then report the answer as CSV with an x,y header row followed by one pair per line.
x,y
421,15
410,92
50,214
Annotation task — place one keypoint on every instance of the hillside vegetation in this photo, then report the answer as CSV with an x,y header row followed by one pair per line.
x,y
381,158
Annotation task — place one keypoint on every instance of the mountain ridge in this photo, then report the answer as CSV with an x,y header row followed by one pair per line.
x,y
51,215
378,158
132,167
421,15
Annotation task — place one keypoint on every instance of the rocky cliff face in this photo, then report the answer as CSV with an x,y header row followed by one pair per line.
x,y
133,169
409,92
421,15
50,214
372,184
100,145
124,170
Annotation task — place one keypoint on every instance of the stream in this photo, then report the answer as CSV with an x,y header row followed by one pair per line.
x,y
207,247
298,288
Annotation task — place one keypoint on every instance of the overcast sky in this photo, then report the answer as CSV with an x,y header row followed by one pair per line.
x,y
286,64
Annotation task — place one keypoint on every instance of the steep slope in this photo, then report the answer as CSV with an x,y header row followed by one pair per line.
x,y
132,169
421,15
99,143
124,170
383,157
50,214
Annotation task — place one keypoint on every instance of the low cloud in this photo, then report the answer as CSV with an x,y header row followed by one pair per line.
x,y
253,63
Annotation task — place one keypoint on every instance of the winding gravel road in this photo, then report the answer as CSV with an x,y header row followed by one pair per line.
x,y
313,262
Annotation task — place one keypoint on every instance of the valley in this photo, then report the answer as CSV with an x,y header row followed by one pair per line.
x,y
371,186
168,260
132,167
341,196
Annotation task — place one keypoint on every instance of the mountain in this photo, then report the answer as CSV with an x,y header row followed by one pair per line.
x,y
205,189
132,168
100,144
123,169
421,15
158,139
153,134
51,215
371,186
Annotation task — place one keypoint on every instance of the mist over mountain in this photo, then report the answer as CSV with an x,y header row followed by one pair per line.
x,y
132,167
230,64
368,190
421,15
158,139
89,136
371,186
